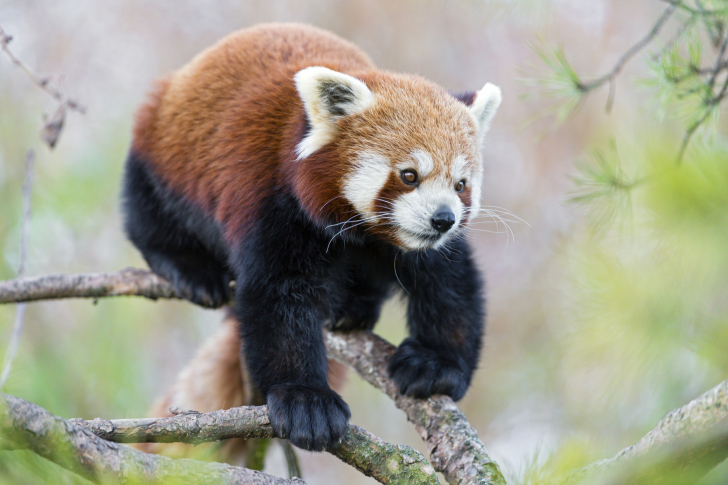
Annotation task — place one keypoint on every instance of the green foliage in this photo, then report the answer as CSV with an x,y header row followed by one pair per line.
x,y
559,81
644,306
602,184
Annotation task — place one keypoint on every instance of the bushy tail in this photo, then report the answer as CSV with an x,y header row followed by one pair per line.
x,y
215,379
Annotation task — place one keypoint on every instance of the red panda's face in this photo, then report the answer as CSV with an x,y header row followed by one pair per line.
x,y
412,165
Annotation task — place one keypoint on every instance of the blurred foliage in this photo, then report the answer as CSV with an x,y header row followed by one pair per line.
x,y
646,292
646,303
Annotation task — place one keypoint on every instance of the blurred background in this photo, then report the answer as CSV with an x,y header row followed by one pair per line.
x,y
605,312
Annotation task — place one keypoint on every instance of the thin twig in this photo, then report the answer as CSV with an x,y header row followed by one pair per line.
x,y
14,341
712,104
683,28
681,5
610,77
43,83
718,63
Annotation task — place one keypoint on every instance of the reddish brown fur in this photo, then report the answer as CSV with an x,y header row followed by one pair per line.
x,y
223,130
219,129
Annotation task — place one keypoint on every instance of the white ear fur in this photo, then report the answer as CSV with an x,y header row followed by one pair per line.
x,y
484,107
327,96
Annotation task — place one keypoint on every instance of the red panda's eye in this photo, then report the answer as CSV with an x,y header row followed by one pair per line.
x,y
409,177
460,186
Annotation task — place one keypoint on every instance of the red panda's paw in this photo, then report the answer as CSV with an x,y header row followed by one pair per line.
x,y
311,418
420,372
206,285
349,324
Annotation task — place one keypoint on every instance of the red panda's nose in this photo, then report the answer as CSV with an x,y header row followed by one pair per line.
x,y
443,219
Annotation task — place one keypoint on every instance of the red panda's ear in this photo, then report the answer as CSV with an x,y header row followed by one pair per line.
x,y
327,96
465,97
484,107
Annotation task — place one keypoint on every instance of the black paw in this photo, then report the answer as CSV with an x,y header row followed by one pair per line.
x,y
421,372
348,323
198,280
208,286
360,315
311,418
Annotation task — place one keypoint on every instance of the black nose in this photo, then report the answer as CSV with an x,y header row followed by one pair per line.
x,y
443,219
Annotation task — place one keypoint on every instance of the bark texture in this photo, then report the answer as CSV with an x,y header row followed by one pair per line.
x,y
24,425
454,447
126,282
387,463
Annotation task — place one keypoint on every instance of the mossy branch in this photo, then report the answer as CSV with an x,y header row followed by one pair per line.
x,y
27,426
386,463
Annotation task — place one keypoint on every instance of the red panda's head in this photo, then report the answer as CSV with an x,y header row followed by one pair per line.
x,y
403,153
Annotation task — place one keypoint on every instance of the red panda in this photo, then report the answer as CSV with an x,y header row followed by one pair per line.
x,y
283,159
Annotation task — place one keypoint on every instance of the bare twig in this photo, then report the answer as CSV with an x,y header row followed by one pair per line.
x,y
53,125
43,83
611,76
24,425
387,463
454,446
14,341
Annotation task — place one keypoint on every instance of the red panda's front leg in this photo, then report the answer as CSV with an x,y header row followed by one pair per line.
x,y
446,313
287,288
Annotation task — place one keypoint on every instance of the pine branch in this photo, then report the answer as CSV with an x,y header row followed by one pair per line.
x,y
612,75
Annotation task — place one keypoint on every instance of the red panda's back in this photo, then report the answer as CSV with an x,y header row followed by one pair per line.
x,y
215,127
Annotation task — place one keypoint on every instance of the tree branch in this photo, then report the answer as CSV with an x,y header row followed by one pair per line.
x,y
454,446
24,425
127,282
695,434
611,76
387,463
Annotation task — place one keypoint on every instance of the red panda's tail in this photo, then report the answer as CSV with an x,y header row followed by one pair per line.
x,y
215,379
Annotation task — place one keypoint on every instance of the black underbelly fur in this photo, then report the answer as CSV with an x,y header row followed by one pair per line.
x,y
292,279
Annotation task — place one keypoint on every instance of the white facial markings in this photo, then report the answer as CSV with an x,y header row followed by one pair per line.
x,y
462,169
364,183
424,162
413,212
476,182
459,166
